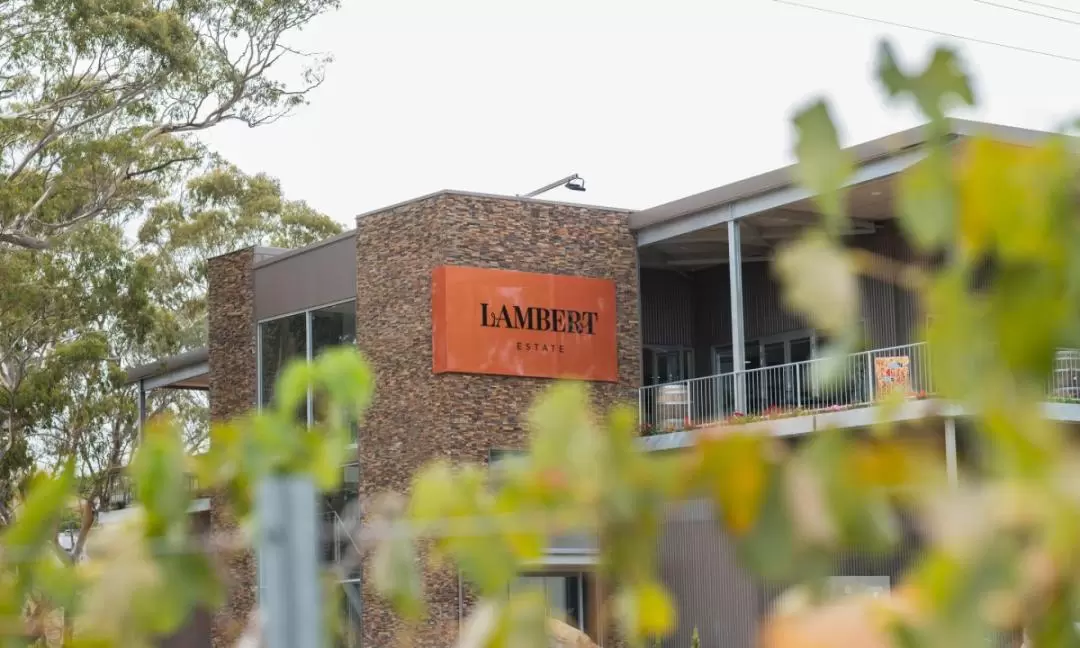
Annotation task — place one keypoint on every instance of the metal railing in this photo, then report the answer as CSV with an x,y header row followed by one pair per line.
x,y
796,388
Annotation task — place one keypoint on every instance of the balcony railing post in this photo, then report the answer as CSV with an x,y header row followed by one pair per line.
x,y
869,377
689,420
798,386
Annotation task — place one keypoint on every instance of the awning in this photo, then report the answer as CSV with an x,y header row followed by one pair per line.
x,y
189,370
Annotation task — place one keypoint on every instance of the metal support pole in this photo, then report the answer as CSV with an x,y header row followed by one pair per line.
x,y
738,335
142,408
951,469
288,549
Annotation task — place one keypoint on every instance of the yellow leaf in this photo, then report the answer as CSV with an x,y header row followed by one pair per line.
x,y
645,610
735,473
656,612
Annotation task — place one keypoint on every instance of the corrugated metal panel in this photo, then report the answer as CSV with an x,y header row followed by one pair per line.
x,y
712,592
667,308
698,565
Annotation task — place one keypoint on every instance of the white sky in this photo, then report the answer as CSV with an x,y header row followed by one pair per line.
x,y
648,101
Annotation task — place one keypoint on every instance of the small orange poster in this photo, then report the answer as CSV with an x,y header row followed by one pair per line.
x,y
509,323
892,374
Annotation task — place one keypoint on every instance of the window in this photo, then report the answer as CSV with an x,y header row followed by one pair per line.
x,y
331,327
287,338
280,341
568,596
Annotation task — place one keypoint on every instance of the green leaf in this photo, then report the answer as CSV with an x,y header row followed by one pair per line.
x,y
940,86
823,166
36,523
395,575
926,202
819,281
291,388
160,476
345,375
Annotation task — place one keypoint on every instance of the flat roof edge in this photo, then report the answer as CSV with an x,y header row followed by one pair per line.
x,y
865,153
292,252
489,196
162,366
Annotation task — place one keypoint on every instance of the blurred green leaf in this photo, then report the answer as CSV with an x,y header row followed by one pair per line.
x,y
160,476
819,281
926,202
395,575
823,166
942,85
35,527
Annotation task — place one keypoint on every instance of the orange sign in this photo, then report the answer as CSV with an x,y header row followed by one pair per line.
x,y
512,323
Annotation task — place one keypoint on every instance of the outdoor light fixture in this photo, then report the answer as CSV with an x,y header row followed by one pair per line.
x,y
573,183
577,183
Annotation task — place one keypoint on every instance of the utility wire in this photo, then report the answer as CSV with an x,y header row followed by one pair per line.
x,y
979,41
1050,6
1028,12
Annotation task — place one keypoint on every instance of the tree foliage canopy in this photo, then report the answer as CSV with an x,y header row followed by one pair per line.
x,y
97,301
99,98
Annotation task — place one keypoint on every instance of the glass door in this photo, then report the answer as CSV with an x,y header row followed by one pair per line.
x,y
667,364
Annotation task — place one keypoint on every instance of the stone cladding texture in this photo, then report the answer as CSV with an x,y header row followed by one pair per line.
x,y
418,416
230,303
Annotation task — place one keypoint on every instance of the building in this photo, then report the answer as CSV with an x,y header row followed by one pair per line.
x,y
468,304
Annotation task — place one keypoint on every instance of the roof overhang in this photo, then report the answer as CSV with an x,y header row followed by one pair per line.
x,y
876,159
190,370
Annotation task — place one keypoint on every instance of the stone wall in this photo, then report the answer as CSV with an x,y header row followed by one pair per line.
x,y
418,416
230,303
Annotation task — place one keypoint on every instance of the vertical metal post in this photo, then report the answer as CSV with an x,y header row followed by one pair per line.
x,y
288,547
309,353
951,469
142,408
581,601
738,334
870,378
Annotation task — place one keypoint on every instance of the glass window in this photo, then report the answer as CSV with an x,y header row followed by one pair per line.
x,y
330,327
564,594
333,326
281,340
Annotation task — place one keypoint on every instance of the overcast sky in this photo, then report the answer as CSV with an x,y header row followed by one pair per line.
x,y
648,101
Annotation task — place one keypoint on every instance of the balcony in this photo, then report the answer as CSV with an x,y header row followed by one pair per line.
x,y
796,389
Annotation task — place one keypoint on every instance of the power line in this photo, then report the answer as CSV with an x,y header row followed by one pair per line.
x,y
1050,6
979,41
1028,12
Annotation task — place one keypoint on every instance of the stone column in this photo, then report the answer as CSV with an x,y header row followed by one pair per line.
x,y
231,321
418,416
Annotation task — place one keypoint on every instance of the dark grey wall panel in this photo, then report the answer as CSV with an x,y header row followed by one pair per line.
x,y
667,308
697,564
298,280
